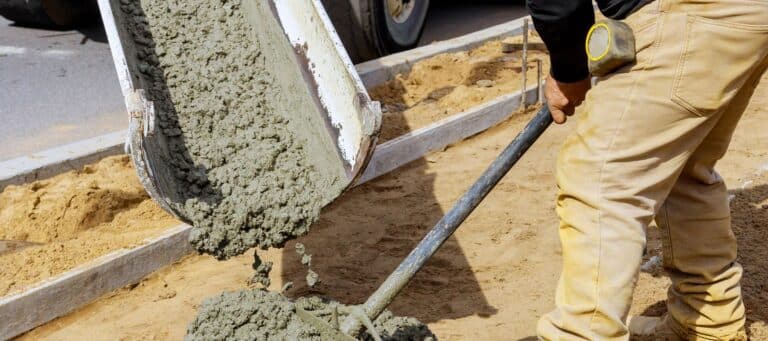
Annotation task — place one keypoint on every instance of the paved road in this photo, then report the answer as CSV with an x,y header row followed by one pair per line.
x,y
57,87
60,86
449,19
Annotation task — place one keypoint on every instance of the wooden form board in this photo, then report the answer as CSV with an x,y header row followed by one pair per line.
x,y
406,148
75,288
380,70
54,161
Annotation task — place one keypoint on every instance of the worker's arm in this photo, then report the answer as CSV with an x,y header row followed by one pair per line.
x,y
563,26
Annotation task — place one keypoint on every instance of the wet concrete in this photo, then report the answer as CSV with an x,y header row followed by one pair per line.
x,y
249,170
262,315
261,271
306,259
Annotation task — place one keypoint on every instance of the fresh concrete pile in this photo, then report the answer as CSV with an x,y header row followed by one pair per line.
x,y
245,174
262,315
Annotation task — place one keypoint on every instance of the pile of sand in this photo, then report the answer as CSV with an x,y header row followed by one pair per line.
x,y
73,218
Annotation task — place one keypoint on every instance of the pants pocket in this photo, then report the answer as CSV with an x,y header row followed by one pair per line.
x,y
644,24
717,59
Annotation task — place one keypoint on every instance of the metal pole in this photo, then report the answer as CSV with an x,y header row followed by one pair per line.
x,y
451,221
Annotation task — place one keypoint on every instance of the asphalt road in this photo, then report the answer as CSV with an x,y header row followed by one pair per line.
x,y
57,87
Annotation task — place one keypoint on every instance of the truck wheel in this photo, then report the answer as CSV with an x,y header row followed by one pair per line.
x,y
374,28
49,13
402,24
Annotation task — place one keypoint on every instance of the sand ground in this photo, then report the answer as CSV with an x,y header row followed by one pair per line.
x,y
74,218
491,280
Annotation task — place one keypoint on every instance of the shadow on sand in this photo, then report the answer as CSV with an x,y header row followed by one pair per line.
x,y
366,233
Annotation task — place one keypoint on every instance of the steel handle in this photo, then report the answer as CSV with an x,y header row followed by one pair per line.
x,y
397,280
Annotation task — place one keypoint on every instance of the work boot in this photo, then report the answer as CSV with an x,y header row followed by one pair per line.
x,y
648,328
652,328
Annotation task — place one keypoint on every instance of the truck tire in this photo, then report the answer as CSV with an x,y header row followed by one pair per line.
x,y
49,13
371,28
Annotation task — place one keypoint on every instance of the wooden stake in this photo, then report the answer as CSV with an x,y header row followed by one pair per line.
x,y
524,99
540,92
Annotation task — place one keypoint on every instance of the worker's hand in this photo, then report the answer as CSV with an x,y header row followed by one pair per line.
x,y
563,98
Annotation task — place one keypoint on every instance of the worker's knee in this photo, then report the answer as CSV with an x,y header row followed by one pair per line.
x,y
577,168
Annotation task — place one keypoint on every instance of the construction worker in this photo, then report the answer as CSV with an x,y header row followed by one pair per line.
x,y
644,147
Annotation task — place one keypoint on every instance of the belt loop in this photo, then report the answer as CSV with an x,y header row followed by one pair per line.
x,y
664,5
644,3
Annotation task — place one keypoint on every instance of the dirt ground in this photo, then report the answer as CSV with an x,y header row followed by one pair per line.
x,y
73,218
446,84
492,280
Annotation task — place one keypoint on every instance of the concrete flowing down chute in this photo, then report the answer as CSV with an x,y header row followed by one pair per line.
x,y
314,88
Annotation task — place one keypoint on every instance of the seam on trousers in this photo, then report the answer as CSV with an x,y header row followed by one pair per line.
x,y
660,21
665,207
619,126
680,68
761,66
602,200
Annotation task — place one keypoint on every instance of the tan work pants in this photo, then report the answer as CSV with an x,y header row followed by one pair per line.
x,y
645,147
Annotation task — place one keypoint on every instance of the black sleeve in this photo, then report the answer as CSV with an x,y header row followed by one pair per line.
x,y
563,26
617,9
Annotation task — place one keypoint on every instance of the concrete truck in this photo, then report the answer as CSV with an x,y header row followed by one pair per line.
x,y
368,28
